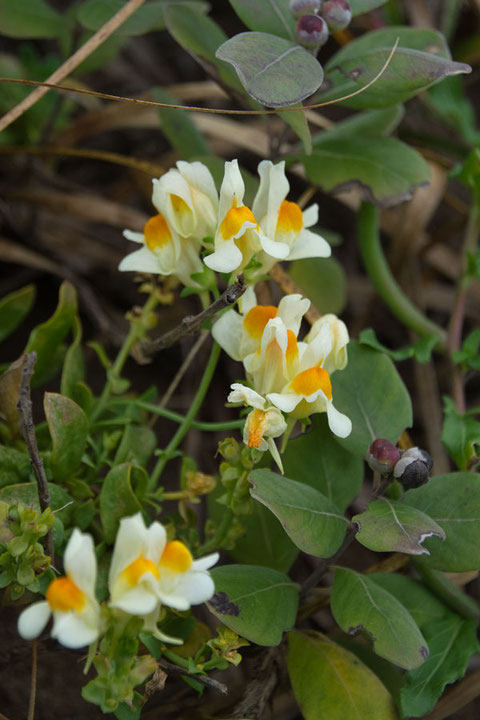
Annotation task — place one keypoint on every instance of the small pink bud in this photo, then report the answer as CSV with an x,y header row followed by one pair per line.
x,y
383,456
337,14
312,32
305,7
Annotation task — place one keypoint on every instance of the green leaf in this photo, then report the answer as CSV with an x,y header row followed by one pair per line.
x,y
102,55
453,501
452,642
179,128
422,605
421,59
468,173
385,169
15,466
358,603
264,542
447,591
374,123
27,494
14,308
201,37
137,445
74,363
274,71
272,17
299,124
68,426
121,495
460,434
46,339
310,519
256,602
421,350
323,281
469,355
389,526
316,459
29,19
363,6
370,391
93,14
330,682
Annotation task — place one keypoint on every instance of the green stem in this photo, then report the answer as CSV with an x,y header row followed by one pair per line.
x,y
383,280
176,417
219,535
173,657
189,417
137,331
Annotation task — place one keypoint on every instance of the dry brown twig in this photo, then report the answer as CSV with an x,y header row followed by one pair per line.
x,y
27,427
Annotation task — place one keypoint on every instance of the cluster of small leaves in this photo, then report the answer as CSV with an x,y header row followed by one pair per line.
x,y
23,562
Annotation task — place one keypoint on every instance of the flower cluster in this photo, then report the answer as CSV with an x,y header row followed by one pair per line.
x,y
146,572
286,376
191,215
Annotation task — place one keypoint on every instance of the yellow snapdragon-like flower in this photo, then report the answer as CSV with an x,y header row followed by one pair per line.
x,y
283,221
70,599
263,423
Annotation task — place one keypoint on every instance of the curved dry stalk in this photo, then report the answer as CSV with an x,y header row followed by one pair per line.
x,y
49,85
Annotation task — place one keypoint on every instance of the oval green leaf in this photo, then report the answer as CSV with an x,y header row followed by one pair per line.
x,y
370,391
274,71
271,16
310,519
68,426
452,642
330,682
46,339
358,603
14,308
323,281
385,169
362,6
389,526
258,603
422,605
121,495
315,459
453,501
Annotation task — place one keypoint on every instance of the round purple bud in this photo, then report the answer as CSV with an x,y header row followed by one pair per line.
x,y
337,14
305,7
312,32
419,454
383,455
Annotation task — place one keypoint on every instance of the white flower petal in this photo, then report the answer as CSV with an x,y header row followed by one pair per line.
x,y
140,600
156,541
287,402
205,563
226,258
143,260
198,175
339,424
232,188
33,620
309,245
291,309
130,543
248,300
310,215
196,587
137,237
171,599
274,248
80,561
227,332
243,394
71,630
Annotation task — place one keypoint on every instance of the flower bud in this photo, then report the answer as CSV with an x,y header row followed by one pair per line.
x,y
419,454
305,7
411,473
337,14
383,456
312,32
